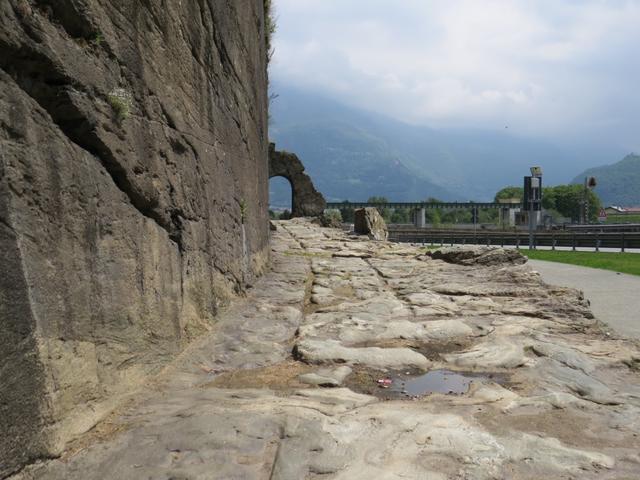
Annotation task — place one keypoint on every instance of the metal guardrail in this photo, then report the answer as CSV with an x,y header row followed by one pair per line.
x,y
449,205
574,240
605,227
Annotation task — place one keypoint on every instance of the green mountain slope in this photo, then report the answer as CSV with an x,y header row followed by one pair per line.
x,y
618,184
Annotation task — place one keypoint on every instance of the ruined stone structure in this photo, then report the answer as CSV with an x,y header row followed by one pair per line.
x,y
133,197
306,201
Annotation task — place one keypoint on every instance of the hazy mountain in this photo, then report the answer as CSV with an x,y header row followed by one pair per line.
x,y
353,154
344,155
617,184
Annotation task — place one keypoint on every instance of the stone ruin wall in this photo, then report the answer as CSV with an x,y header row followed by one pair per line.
x,y
133,197
306,201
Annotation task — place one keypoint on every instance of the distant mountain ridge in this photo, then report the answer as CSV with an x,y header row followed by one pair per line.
x,y
347,162
343,154
354,154
617,184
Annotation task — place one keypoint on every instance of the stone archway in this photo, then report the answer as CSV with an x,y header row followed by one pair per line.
x,y
306,200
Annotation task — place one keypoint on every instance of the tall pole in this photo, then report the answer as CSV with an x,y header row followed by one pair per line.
x,y
531,223
586,200
583,213
533,196
589,183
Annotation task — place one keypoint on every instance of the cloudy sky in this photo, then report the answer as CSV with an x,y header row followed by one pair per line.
x,y
556,69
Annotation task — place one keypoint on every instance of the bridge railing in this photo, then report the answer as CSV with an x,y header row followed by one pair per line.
x,y
415,205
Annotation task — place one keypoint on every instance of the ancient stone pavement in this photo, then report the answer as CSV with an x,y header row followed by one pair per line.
x,y
312,375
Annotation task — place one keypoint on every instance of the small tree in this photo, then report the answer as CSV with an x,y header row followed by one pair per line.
x,y
347,212
332,218
510,192
434,217
385,212
286,215
400,215
567,200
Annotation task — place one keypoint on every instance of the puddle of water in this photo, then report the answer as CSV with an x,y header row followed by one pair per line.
x,y
415,384
436,381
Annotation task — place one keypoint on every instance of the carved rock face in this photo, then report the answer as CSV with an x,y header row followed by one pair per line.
x,y
307,201
133,193
368,221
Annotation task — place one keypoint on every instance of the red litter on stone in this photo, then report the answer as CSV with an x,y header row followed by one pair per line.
x,y
385,382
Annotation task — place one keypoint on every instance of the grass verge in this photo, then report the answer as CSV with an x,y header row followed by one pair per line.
x,y
623,219
617,262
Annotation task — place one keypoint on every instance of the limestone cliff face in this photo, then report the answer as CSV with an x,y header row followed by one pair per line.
x,y
133,197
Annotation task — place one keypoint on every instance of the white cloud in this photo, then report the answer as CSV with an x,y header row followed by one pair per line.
x,y
546,67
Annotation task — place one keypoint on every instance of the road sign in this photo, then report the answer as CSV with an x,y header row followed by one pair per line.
x,y
602,215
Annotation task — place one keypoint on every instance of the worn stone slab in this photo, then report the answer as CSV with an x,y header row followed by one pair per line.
x,y
332,351
489,355
551,395
326,377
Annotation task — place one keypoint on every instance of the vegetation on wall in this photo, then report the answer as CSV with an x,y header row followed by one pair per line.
x,y
269,32
243,210
120,101
269,27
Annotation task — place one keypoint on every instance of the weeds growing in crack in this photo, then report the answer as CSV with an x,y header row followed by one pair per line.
x,y
120,101
243,210
97,39
270,27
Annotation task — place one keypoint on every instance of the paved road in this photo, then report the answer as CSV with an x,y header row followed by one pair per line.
x,y
236,405
615,297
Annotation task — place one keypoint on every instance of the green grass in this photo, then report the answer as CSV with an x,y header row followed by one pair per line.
x,y
618,262
623,219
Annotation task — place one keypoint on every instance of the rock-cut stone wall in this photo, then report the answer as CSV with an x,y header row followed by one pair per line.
x,y
133,197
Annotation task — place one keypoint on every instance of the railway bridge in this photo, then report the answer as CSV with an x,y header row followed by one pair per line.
x,y
420,208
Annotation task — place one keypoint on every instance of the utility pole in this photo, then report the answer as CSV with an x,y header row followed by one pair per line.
x,y
474,217
589,183
533,200
583,203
